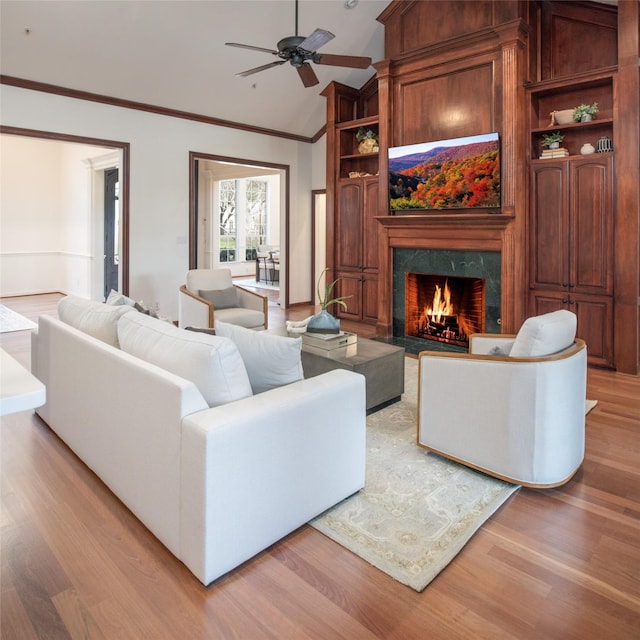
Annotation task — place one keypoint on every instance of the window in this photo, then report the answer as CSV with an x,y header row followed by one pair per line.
x,y
243,216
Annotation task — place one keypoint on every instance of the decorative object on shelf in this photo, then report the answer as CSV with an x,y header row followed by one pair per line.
x,y
324,322
564,116
560,152
585,112
552,140
587,149
360,174
604,145
368,140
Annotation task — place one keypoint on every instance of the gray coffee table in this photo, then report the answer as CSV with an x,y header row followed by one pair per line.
x,y
381,364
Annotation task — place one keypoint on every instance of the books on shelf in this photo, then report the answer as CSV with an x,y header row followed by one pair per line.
x,y
329,341
560,152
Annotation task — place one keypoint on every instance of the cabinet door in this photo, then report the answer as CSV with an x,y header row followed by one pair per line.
x,y
349,225
594,320
370,297
591,224
595,326
370,232
546,302
350,284
549,253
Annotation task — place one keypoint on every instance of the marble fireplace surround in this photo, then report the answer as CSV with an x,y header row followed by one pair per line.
x,y
491,234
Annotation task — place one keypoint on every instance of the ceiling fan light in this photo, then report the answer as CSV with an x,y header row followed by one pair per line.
x,y
350,4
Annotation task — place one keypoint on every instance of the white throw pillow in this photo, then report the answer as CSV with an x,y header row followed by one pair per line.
x,y
271,361
93,318
212,363
544,335
115,298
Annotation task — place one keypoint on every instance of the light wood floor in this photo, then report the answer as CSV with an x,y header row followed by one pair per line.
x,y
557,564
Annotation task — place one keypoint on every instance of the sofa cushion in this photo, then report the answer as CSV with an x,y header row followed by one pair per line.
x,y
212,363
271,360
544,335
93,318
221,298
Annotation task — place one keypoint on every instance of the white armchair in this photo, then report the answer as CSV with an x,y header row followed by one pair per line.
x,y
513,407
210,292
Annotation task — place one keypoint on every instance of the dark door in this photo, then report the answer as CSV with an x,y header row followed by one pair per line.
x,y
111,230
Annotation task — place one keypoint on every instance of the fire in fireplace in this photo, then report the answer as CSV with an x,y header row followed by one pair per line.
x,y
444,308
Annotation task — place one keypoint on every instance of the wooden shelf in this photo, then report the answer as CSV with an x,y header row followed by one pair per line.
x,y
593,124
573,156
359,155
371,121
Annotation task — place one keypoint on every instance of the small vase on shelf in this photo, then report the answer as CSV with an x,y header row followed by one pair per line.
x,y
323,322
587,149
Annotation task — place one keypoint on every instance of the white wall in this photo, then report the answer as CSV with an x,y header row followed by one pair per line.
x,y
159,186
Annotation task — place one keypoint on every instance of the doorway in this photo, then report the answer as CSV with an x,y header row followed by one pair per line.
x,y
218,240
58,269
111,230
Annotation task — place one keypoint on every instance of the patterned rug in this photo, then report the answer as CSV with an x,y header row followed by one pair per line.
x,y
12,321
417,509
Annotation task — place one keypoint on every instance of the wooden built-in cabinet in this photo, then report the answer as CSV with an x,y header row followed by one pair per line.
x,y
356,249
352,250
571,245
568,227
571,215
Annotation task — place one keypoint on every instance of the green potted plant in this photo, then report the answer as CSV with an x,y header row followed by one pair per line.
x,y
368,139
552,140
585,112
324,322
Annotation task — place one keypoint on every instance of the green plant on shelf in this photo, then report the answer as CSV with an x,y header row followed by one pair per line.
x,y
585,110
551,138
366,134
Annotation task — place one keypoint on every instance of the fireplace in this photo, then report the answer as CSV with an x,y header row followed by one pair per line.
x,y
446,309
473,281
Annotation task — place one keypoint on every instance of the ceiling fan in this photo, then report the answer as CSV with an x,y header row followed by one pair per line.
x,y
300,51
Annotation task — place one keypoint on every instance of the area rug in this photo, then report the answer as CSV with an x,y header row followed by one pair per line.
x,y
417,509
12,321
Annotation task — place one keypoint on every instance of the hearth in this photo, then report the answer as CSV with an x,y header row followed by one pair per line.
x,y
444,308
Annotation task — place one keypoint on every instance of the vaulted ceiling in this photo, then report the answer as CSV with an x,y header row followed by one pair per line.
x,y
172,53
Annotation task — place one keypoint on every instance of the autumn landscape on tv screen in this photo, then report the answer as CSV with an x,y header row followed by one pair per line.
x,y
462,173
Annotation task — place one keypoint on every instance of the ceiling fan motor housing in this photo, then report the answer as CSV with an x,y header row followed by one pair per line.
x,y
288,49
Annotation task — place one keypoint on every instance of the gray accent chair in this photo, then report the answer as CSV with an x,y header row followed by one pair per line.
x,y
211,292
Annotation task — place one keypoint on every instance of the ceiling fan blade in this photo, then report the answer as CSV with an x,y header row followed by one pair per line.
x,y
355,62
307,75
277,63
250,46
317,39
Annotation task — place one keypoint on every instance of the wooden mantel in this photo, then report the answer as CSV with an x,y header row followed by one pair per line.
x,y
463,232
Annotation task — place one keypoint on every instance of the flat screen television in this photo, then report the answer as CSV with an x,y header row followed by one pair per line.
x,y
460,173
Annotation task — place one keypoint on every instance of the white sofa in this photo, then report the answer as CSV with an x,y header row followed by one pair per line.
x,y
215,484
